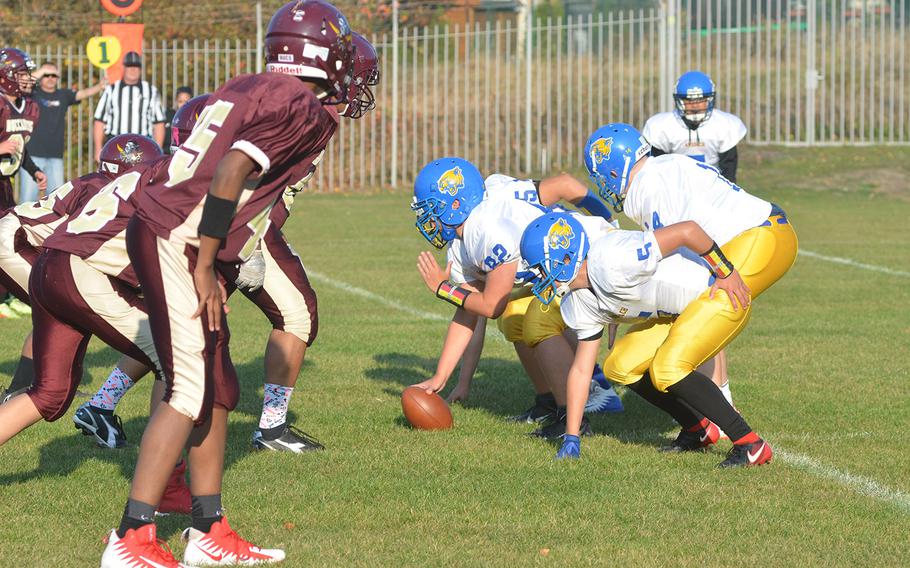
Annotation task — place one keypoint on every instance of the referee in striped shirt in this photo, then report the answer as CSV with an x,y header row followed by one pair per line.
x,y
129,106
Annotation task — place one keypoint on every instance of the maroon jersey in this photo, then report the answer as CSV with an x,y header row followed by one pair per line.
x,y
17,123
41,218
282,209
96,230
274,119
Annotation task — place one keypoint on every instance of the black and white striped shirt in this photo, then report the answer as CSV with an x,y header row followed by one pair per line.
x,y
129,109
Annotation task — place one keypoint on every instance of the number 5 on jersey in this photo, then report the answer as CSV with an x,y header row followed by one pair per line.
x,y
190,154
103,206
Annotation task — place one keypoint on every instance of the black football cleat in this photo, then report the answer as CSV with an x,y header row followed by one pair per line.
x,y
693,441
105,426
745,455
535,415
285,439
7,394
555,429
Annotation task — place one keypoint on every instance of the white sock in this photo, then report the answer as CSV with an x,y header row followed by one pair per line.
x,y
725,388
112,390
275,401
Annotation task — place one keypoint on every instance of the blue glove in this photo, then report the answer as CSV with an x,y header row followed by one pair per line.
x,y
571,448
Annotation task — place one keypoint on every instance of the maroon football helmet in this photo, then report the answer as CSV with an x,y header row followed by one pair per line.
x,y
185,119
311,39
366,74
126,151
13,63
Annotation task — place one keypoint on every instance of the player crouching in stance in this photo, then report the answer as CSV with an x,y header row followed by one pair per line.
x,y
630,276
64,287
706,134
481,222
267,129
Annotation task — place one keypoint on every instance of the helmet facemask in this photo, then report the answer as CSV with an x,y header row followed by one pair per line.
x,y
428,212
694,109
557,271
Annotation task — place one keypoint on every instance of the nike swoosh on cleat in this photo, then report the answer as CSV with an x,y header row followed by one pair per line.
x,y
754,457
218,558
704,437
151,562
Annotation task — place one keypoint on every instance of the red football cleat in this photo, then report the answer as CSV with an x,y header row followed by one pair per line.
x,y
221,546
744,455
176,498
139,548
688,441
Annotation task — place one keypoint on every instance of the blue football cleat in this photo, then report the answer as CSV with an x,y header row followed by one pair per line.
x,y
602,399
599,376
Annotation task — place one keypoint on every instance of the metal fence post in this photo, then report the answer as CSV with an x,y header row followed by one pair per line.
x,y
811,72
529,30
258,37
394,164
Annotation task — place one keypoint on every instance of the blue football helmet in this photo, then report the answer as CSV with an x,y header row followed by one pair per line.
x,y
445,192
554,246
610,154
694,87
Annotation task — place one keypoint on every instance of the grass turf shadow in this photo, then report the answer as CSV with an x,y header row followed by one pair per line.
x,y
501,388
66,453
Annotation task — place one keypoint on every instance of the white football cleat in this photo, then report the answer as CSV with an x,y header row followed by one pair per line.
x,y
221,546
139,548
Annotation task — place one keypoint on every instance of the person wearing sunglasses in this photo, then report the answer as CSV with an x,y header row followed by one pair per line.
x,y
46,144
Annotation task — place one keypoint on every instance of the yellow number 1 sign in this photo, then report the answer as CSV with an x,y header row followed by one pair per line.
x,y
103,51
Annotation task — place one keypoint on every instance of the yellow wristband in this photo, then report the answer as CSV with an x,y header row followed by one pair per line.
x,y
452,293
720,266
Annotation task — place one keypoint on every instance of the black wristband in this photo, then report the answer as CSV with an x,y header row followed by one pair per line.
x,y
217,214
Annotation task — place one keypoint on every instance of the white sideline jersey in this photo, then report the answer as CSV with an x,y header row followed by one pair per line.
x,y
672,188
720,133
492,233
631,282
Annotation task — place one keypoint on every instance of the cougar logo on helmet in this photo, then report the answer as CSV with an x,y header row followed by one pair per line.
x,y
451,181
130,153
560,234
600,150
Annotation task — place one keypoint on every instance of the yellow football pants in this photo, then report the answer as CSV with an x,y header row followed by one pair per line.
x,y
671,348
528,321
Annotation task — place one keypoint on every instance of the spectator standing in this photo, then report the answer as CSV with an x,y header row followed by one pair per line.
x,y
129,106
181,96
47,142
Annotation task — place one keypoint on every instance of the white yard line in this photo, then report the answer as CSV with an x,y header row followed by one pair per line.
x,y
853,263
345,287
863,485
859,484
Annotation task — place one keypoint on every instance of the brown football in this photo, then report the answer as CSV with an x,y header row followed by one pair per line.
x,y
425,411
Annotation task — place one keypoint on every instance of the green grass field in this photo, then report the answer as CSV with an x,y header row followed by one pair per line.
x,y
821,371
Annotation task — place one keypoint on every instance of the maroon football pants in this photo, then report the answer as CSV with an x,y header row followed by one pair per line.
x,y
71,302
195,362
286,297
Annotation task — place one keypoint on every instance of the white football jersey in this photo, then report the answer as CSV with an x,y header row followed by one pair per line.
x,y
491,237
672,188
630,282
492,233
503,186
721,132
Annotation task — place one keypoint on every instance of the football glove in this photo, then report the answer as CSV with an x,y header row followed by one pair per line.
x,y
252,273
570,449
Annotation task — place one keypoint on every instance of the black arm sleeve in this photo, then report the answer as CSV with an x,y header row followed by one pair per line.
x,y
655,151
727,163
28,165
